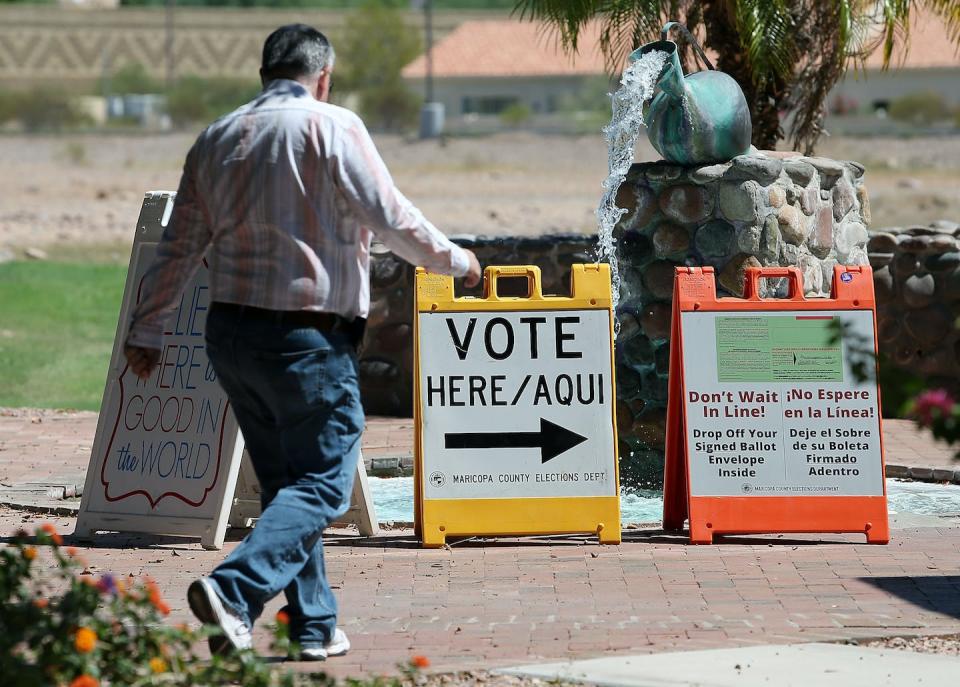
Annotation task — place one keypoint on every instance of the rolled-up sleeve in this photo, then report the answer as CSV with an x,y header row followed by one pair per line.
x,y
179,254
365,182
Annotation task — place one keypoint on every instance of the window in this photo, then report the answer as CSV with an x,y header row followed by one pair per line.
x,y
487,105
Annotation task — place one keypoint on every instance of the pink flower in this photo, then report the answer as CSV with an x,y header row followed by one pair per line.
x,y
931,405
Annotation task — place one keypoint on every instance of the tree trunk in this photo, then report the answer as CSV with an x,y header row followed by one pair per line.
x,y
765,101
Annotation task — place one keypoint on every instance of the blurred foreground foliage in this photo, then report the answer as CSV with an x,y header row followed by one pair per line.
x,y
322,4
62,625
903,393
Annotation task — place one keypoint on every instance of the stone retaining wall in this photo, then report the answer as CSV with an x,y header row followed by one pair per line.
x,y
387,361
917,280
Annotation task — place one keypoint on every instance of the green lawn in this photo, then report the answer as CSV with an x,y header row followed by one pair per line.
x,y
57,324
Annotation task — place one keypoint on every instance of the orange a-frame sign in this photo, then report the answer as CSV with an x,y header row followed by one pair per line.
x,y
771,426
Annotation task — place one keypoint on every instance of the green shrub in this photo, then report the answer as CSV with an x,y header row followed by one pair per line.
x,y
8,110
41,109
133,78
194,99
516,114
925,107
592,95
392,107
76,153
376,44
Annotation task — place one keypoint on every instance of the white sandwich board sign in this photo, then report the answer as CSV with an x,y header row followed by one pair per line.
x,y
167,451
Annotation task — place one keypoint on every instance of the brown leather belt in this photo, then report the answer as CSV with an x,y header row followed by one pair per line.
x,y
321,321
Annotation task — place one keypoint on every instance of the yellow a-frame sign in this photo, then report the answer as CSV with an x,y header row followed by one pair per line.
x,y
515,409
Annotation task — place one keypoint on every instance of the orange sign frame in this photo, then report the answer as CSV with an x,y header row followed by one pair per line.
x,y
695,290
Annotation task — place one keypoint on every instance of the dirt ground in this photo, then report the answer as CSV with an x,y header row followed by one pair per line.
x,y
79,195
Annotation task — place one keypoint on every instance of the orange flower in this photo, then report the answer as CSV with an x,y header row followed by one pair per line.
x,y
84,681
155,598
158,665
52,531
29,553
41,603
283,617
420,662
85,640
72,551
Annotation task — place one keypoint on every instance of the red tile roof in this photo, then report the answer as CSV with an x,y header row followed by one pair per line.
x,y
512,48
929,47
509,48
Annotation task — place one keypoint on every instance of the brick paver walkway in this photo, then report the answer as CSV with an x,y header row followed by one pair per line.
x,y
505,603
499,603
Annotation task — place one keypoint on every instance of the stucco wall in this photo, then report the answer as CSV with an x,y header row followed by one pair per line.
x,y
73,47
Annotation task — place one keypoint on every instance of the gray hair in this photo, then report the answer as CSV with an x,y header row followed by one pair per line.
x,y
294,51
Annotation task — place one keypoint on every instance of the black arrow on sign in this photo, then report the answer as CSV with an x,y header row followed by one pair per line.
x,y
552,440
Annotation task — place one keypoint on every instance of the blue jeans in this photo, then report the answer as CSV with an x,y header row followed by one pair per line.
x,y
295,393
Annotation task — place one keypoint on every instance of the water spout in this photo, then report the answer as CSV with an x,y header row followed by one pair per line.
x,y
636,88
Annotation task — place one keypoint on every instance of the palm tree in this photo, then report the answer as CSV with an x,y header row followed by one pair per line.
x,y
786,55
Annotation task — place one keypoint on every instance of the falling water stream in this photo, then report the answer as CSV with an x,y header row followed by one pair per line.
x,y
636,88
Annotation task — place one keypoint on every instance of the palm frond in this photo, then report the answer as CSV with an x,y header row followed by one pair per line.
x,y
766,36
624,23
949,12
826,33
568,16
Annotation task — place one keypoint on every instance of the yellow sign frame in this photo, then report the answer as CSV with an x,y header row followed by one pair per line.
x,y
437,519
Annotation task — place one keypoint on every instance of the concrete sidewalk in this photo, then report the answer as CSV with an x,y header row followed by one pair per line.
x,y
796,665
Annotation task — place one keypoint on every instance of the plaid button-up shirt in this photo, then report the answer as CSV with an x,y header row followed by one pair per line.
x,y
283,196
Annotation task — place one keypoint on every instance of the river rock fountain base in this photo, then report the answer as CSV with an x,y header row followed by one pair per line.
x,y
765,208
760,209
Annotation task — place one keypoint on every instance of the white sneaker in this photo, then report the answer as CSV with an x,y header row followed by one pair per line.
x,y
337,646
209,609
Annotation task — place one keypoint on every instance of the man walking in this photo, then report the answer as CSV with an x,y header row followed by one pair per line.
x,y
282,195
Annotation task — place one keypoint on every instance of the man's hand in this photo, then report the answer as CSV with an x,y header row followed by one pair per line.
x,y
472,278
141,360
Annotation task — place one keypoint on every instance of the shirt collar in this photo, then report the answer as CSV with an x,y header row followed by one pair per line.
x,y
286,87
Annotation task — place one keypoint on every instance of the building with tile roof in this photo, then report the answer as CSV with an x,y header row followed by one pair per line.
x,y
484,66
